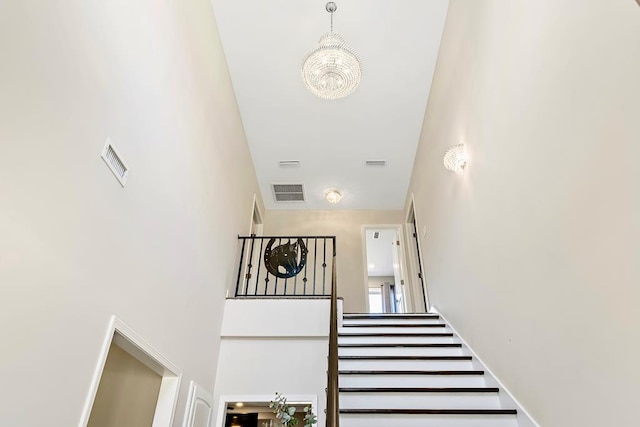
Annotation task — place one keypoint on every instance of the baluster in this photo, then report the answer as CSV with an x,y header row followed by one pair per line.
x,y
304,280
240,267
249,265
275,288
286,278
324,263
315,256
259,264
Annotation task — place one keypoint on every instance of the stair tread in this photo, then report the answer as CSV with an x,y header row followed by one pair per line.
x,y
391,334
404,372
401,345
419,390
395,325
405,357
432,411
389,316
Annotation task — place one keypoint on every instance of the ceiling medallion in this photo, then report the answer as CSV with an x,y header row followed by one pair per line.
x,y
332,70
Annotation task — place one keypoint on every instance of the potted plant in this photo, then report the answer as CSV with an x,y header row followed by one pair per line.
x,y
285,412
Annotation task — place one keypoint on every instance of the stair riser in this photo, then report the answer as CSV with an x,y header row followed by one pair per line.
x,y
411,381
419,400
395,340
400,351
405,365
427,421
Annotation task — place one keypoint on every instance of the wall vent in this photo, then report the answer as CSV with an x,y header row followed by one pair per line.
x,y
375,162
289,163
288,192
114,161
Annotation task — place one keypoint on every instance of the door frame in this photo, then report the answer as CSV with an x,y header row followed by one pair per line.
x,y
127,339
415,259
401,256
256,212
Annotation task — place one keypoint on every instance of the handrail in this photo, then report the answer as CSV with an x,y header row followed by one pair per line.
x,y
333,408
286,237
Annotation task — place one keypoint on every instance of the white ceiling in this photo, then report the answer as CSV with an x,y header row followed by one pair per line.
x,y
379,251
265,43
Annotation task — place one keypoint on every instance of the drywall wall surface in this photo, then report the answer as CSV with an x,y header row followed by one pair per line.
x,y
533,252
346,225
75,246
280,317
266,366
128,392
271,346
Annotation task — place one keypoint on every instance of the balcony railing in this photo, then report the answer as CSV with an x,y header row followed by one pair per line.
x,y
290,267
285,266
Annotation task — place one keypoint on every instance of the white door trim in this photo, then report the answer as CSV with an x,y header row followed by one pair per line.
x,y
414,259
127,339
255,211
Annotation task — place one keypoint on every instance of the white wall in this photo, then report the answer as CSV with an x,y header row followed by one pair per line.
x,y
275,346
75,247
533,253
346,225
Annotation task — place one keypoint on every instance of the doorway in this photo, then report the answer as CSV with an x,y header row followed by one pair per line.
x,y
133,383
128,392
254,411
415,257
384,269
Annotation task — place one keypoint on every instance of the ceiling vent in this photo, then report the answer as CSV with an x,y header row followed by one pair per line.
x,y
288,192
375,162
115,162
289,163
376,234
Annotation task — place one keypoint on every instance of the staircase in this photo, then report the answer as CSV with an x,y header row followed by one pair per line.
x,y
411,370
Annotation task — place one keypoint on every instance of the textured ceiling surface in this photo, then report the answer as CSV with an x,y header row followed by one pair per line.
x,y
265,43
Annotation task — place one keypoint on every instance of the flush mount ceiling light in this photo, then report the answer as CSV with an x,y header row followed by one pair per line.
x,y
333,196
455,159
331,70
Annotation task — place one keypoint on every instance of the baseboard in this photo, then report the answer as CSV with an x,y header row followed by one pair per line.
x,y
524,418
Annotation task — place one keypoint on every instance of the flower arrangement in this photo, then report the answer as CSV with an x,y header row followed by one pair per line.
x,y
285,412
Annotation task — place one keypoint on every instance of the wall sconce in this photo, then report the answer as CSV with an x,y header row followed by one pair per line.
x,y
455,159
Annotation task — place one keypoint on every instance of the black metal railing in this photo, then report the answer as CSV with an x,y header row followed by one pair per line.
x,y
291,266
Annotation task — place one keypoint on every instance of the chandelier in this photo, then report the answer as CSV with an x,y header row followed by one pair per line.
x,y
331,70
